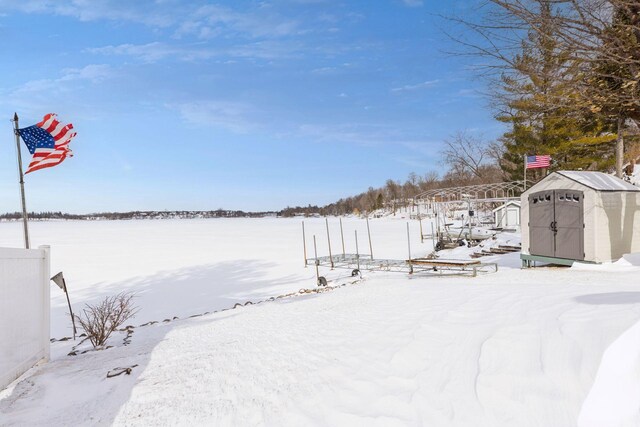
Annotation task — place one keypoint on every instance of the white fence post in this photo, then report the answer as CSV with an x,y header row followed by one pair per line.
x,y
24,310
46,301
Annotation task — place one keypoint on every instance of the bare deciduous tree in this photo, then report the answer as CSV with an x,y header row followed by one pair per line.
x,y
595,45
470,155
100,320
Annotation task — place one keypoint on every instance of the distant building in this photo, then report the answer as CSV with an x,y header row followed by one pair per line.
x,y
507,215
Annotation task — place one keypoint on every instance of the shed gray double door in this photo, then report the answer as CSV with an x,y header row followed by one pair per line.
x,y
556,226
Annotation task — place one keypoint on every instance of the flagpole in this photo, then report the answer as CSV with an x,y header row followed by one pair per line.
x,y
24,204
525,172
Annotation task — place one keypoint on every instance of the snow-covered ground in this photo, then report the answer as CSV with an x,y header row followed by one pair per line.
x,y
185,267
514,348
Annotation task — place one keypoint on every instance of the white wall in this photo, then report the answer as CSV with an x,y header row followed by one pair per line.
x,y
24,310
618,232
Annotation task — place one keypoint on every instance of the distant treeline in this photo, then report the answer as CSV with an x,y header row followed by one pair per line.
x,y
396,195
220,213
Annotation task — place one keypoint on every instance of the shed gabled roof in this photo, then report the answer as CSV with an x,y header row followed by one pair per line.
x,y
508,203
599,181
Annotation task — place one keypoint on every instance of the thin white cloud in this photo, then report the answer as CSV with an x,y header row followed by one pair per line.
x,y
156,51
150,52
232,116
186,19
328,70
213,20
93,73
33,96
325,70
256,30
418,86
469,93
413,3
92,10
266,50
365,134
309,1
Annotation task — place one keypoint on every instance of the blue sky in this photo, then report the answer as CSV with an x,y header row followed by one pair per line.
x,y
251,105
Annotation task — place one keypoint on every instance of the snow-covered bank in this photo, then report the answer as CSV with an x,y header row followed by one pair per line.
x,y
515,348
498,350
614,399
185,267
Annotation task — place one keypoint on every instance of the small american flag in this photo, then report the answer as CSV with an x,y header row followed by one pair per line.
x,y
538,161
48,141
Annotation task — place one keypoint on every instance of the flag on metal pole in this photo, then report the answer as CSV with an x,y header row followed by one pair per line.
x,y
25,219
48,142
533,162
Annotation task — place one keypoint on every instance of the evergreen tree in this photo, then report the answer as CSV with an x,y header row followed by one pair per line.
x,y
613,88
538,100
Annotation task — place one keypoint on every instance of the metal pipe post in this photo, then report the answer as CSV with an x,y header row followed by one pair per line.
x,y
329,241
408,241
420,221
525,173
357,251
438,223
369,234
469,214
409,246
342,237
433,236
73,319
304,245
24,204
315,251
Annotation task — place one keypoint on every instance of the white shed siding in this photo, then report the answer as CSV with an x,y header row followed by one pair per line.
x,y
618,232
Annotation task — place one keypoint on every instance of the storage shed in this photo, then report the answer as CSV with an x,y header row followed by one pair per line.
x,y
579,216
507,215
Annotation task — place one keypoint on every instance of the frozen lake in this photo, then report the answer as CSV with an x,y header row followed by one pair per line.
x,y
184,267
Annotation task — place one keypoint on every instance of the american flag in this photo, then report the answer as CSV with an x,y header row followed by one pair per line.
x,y
48,141
538,161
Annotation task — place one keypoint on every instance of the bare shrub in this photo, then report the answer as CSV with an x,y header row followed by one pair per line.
x,y
100,320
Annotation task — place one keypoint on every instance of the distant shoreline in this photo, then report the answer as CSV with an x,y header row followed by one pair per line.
x,y
137,215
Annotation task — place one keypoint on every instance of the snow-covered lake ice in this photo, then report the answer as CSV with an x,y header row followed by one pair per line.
x,y
515,348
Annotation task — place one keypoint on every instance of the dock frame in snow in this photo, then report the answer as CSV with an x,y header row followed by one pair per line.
x,y
411,266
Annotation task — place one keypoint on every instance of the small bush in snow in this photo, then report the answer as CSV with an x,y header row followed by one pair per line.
x,y
100,320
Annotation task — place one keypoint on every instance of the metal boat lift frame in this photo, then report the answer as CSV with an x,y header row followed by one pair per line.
x,y
357,262
441,267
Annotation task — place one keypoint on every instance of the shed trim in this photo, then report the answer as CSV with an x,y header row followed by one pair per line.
x,y
612,190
